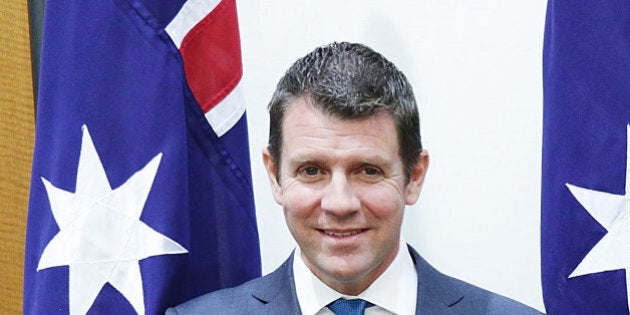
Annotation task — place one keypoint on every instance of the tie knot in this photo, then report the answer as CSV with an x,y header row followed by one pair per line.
x,y
349,307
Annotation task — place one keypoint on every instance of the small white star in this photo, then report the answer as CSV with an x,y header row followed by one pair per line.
x,y
612,252
101,237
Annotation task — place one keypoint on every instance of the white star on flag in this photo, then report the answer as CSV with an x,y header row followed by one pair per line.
x,y
101,237
612,252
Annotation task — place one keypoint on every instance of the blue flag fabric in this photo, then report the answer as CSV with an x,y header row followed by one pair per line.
x,y
136,203
585,199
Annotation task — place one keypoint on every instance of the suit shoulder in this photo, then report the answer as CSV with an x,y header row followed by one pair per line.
x,y
247,298
481,301
460,296
225,301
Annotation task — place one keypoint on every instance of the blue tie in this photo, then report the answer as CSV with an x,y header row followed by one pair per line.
x,y
349,307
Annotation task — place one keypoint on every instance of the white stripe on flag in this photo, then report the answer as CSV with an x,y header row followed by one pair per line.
x,y
227,113
188,16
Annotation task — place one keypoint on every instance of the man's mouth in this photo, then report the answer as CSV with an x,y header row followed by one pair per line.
x,y
342,233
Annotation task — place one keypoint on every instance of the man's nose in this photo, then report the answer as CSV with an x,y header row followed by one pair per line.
x,y
339,196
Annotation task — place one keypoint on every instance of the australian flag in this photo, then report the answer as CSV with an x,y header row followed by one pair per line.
x,y
586,157
141,194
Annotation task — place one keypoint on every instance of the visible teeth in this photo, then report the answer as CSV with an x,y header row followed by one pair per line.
x,y
342,234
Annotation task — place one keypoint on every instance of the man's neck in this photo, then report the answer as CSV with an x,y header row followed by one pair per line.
x,y
358,283
394,290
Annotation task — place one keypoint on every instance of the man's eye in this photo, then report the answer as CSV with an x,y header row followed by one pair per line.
x,y
310,171
371,171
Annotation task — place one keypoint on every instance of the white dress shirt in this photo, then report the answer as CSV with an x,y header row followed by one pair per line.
x,y
393,292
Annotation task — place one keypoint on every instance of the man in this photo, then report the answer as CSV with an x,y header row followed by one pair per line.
x,y
344,158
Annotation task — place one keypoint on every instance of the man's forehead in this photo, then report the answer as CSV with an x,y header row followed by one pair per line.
x,y
312,136
304,105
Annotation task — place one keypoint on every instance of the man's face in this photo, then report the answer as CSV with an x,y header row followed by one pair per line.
x,y
343,190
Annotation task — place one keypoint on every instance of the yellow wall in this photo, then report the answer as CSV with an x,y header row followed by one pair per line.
x,y
16,146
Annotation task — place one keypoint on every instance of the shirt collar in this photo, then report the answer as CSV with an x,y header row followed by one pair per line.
x,y
395,290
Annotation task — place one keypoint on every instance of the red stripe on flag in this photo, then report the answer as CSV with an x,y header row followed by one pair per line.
x,y
212,55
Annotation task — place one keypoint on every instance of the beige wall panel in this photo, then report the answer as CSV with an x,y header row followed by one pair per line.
x,y
16,146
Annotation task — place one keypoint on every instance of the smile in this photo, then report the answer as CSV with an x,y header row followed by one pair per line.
x,y
342,234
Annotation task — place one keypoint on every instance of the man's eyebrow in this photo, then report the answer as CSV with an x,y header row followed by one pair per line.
x,y
304,158
375,160
318,159
300,157
305,155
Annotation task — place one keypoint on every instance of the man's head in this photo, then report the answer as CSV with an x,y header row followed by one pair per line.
x,y
348,81
344,159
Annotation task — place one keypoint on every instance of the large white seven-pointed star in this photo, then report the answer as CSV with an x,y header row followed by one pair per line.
x,y
612,252
101,237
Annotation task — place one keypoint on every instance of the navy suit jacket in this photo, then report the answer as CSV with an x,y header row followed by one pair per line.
x,y
275,294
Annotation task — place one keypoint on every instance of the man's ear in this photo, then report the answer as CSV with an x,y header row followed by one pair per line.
x,y
272,171
416,178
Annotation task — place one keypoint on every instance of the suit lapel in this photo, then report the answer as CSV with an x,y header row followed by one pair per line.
x,y
277,291
436,294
